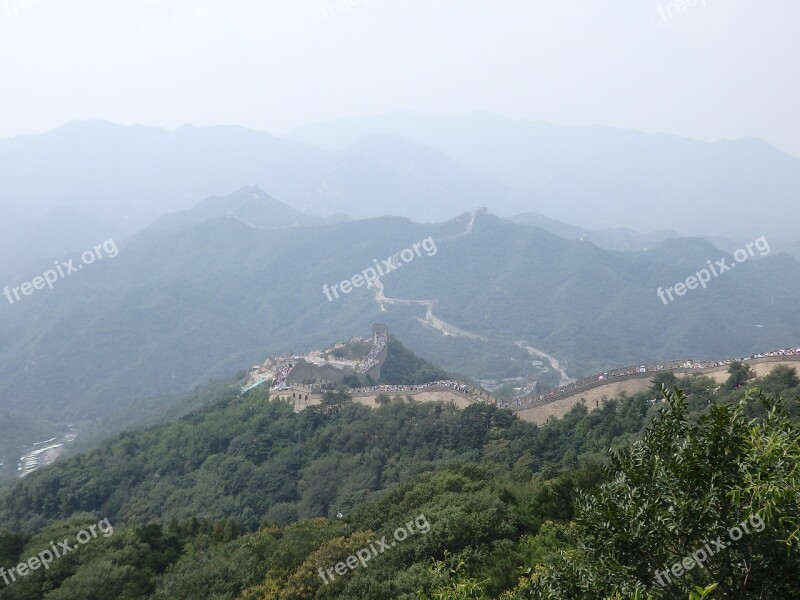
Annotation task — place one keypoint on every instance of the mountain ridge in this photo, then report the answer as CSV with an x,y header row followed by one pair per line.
x,y
602,176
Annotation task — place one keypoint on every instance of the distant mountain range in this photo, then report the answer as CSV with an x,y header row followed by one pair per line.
x,y
622,239
208,282
212,291
251,205
422,168
129,176
59,231
600,177
619,238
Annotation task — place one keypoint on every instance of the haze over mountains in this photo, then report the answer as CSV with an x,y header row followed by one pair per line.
x,y
210,280
412,299
207,292
424,168
131,175
251,205
601,176
62,230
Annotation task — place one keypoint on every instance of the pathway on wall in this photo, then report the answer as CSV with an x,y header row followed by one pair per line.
x,y
433,394
596,389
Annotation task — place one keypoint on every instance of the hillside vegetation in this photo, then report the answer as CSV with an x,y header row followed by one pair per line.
x,y
175,309
247,500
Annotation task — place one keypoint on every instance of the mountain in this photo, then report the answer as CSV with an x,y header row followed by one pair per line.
x,y
794,249
598,177
251,205
619,238
215,408
424,168
56,233
578,302
171,310
416,181
131,175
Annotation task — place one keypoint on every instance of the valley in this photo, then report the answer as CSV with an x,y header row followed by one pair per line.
x,y
420,302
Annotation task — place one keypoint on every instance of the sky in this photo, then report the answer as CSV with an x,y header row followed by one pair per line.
x,y
706,69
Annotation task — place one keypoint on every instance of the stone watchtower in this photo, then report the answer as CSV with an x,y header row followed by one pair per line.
x,y
379,328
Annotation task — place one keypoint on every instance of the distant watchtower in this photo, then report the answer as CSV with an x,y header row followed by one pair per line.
x,y
379,328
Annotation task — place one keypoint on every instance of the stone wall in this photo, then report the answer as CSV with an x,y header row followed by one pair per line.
x,y
303,396
597,393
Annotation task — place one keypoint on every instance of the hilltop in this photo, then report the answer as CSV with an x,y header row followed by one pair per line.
x,y
178,308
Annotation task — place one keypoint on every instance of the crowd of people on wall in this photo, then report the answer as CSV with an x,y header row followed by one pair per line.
x,y
455,385
518,402
372,358
526,397
528,389
278,368
279,381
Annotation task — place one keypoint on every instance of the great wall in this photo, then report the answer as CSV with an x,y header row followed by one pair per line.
x,y
598,388
304,383
308,378
305,396
305,379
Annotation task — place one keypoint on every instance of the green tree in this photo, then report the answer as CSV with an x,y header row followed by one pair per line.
x,y
664,378
740,374
679,488
453,584
781,378
351,381
334,401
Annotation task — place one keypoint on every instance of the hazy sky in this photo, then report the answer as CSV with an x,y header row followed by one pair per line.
x,y
718,69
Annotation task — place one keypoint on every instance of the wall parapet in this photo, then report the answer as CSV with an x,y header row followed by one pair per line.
x,y
677,367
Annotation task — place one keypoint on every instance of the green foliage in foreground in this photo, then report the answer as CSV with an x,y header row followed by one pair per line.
x,y
515,510
256,460
683,487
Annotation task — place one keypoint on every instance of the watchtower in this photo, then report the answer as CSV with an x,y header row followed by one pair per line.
x,y
379,328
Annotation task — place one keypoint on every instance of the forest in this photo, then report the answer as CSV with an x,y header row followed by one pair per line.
x,y
246,499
